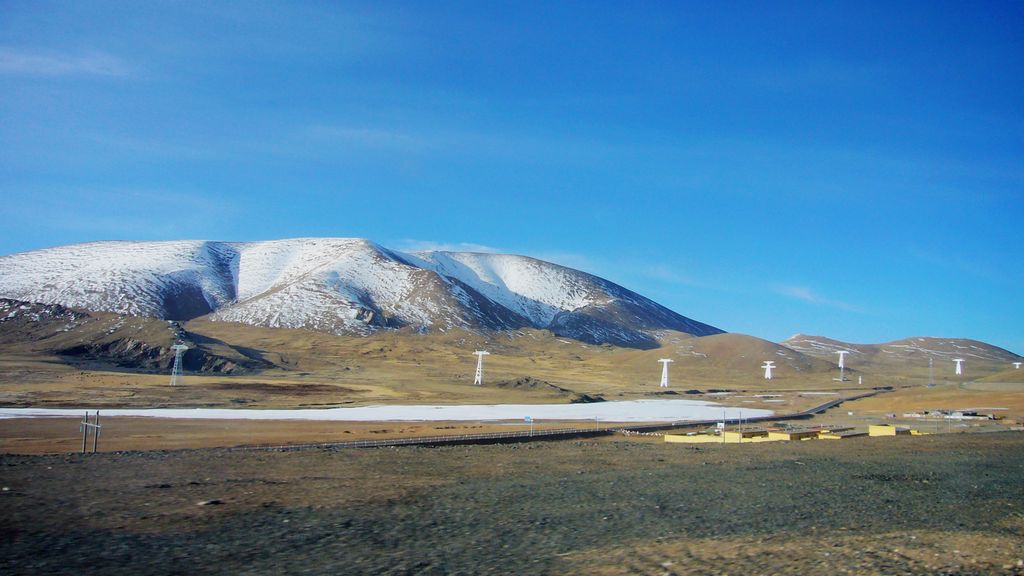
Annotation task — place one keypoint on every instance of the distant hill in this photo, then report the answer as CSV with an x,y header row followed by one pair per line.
x,y
339,286
909,354
56,355
728,360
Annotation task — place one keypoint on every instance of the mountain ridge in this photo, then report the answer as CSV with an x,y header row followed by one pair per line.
x,y
55,335
338,285
924,345
927,355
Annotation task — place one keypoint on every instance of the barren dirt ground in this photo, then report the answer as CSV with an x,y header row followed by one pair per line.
x,y
62,434
56,435
943,504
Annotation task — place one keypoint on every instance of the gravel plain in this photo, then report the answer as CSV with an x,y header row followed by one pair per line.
x,y
941,504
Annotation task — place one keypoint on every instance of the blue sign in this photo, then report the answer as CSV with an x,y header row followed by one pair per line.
x,y
528,419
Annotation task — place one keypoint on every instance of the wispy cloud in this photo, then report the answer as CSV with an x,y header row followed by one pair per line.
x,y
125,145
569,260
956,264
410,245
140,214
805,294
327,138
20,62
666,273
366,138
816,74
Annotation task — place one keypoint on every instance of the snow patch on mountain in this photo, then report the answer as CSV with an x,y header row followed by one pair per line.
x,y
535,289
338,285
161,279
910,349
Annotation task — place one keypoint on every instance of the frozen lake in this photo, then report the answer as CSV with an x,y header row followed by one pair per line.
x,y
625,411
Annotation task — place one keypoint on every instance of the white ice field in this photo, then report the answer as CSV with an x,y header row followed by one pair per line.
x,y
624,411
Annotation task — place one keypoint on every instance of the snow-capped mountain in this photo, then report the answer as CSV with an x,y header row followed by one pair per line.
x,y
337,285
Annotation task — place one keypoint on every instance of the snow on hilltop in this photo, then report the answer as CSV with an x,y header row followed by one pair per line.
x,y
909,350
338,285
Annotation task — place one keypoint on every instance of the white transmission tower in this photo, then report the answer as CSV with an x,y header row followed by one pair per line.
x,y
664,371
768,366
479,378
842,366
179,349
959,366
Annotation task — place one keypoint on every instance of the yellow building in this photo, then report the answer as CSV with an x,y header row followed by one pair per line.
x,y
840,434
727,437
754,435
793,434
691,438
744,435
887,430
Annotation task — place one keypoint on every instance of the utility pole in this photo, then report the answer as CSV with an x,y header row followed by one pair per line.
x,y
85,426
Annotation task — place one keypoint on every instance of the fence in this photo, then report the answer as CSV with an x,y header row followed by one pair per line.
x,y
552,434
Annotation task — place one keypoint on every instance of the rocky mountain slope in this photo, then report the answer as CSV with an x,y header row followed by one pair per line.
x,y
106,339
337,285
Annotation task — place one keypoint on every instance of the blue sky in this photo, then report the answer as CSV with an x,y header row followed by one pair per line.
x,y
849,169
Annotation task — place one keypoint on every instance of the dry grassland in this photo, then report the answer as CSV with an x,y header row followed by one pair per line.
x,y
320,370
950,504
61,435
317,370
981,395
